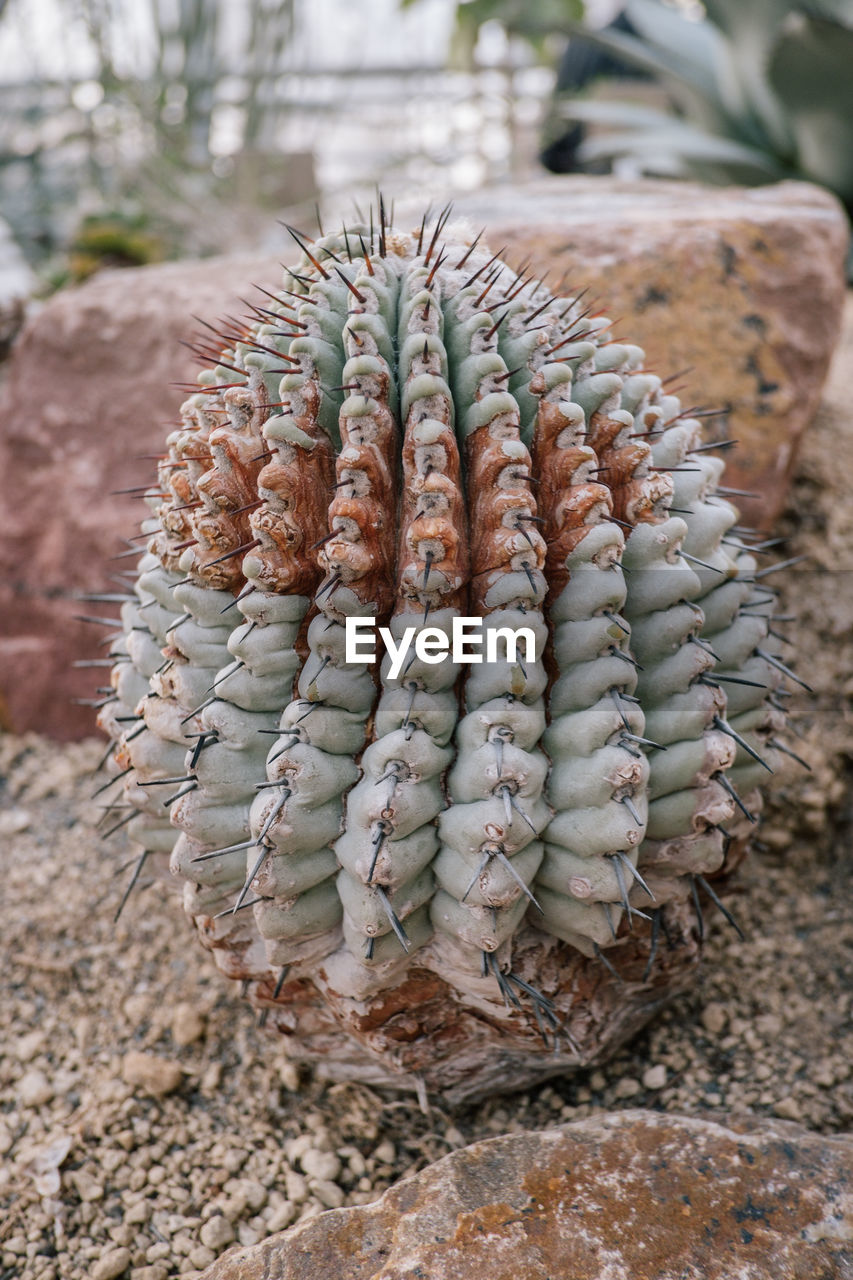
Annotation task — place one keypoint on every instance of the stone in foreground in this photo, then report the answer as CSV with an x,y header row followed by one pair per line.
x,y
630,1196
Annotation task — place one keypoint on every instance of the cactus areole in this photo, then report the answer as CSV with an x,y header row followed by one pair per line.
x,y
445,683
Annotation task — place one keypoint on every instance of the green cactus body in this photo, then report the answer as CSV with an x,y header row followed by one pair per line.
x,y
413,437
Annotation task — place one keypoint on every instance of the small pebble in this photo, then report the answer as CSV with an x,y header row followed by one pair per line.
x,y
147,1071
34,1089
255,1194
111,1265
288,1073
14,820
282,1217
714,1018
87,1187
328,1193
386,1153
654,1077
788,1108
325,1164
188,1025
138,1214
297,1187
217,1232
29,1046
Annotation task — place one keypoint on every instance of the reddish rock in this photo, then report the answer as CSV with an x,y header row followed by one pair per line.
x,y
635,1195
88,389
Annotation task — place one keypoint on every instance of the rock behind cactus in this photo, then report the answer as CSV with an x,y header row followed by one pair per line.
x,y
456,877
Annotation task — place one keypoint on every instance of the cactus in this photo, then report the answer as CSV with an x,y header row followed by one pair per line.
x,y
448,874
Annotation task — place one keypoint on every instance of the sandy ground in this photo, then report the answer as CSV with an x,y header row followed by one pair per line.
x,y
99,1179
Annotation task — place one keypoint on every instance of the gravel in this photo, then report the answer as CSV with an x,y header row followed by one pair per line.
x,y
146,1122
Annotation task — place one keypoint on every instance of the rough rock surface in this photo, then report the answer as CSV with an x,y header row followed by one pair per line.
x,y
743,287
90,387
631,1196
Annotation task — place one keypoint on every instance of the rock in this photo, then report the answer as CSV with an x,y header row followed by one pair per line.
x,y
89,387
328,1193
14,820
386,1153
155,1075
320,1164
187,1025
217,1232
628,1194
111,1264
282,1216
87,1187
34,1089
788,1108
654,1077
742,286
201,1256
715,1018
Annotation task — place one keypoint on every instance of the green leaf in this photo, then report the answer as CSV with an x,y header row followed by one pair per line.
x,y
751,31
812,71
840,11
630,114
738,47
677,138
658,62
695,46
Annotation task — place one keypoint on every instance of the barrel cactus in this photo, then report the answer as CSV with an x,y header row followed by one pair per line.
x,y
447,679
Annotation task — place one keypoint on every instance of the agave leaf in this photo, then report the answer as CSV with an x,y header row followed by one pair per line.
x,y
755,23
662,65
694,45
839,11
692,145
811,68
632,115
751,32
738,37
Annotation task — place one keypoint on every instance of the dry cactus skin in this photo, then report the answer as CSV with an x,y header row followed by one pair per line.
x,y
449,876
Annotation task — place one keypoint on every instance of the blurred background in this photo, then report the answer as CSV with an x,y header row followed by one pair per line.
x,y
138,130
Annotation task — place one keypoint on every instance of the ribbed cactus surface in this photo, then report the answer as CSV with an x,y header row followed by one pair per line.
x,y
469,874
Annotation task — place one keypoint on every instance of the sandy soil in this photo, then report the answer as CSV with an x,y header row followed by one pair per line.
x,y
100,1179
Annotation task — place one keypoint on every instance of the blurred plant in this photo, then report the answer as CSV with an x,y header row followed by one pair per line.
x,y
175,89
538,23
113,240
761,90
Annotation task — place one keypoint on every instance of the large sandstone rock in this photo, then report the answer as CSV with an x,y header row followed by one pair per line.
x,y
89,388
742,286
745,286
631,1196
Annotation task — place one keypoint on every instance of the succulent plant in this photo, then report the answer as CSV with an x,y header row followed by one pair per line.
x,y
760,92
446,873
